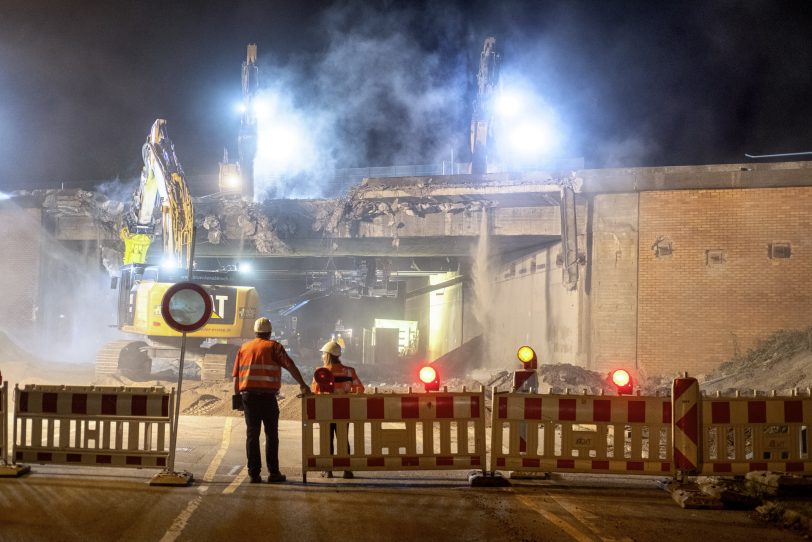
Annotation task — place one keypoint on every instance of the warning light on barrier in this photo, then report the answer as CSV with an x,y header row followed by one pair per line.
x,y
528,357
325,380
622,381
430,378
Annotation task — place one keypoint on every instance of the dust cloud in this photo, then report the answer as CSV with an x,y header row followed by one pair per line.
x,y
59,305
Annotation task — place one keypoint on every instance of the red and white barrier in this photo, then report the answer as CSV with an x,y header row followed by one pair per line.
x,y
415,431
741,435
687,403
92,425
571,433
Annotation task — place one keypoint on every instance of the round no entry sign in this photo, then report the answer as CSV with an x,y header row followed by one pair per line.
x,y
186,307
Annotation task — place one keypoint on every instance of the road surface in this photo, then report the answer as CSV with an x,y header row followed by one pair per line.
x,y
88,504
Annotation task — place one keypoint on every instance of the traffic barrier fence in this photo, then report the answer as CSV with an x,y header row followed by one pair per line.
x,y
759,433
92,425
581,433
394,432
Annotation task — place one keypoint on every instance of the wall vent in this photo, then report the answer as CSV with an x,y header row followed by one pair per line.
x,y
714,257
662,247
780,250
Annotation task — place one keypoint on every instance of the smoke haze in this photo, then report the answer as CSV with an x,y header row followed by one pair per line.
x,y
391,83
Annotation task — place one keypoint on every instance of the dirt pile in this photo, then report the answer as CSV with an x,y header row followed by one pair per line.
x,y
781,362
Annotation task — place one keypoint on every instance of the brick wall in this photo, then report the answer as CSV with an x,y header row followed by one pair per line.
x,y
613,282
719,291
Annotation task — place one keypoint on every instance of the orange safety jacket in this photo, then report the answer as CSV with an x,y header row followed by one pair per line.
x,y
259,365
346,380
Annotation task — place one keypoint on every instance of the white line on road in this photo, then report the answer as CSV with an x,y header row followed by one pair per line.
x,y
182,519
562,524
234,470
218,457
180,522
589,519
236,482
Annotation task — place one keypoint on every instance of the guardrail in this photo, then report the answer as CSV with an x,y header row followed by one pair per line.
x,y
92,425
394,432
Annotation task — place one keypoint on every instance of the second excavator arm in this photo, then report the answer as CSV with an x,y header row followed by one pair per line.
x,y
482,117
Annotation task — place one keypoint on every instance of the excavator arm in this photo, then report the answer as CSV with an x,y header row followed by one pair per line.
x,y
162,186
481,119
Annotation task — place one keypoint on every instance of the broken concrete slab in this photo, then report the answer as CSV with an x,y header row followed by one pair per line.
x,y
778,484
689,495
733,492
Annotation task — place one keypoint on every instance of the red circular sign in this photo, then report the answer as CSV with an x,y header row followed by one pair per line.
x,y
186,307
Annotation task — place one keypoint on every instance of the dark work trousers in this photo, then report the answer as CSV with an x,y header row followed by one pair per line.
x,y
261,409
333,437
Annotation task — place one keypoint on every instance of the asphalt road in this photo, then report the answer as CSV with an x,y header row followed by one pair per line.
x,y
88,504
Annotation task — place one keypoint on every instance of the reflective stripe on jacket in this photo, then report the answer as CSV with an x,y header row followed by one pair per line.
x,y
346,380
259,365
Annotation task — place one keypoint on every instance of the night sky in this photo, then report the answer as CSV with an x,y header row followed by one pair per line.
x,y
391,83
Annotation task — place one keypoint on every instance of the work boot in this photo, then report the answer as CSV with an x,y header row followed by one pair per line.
x,y
276,478
327,474
348,474
256,479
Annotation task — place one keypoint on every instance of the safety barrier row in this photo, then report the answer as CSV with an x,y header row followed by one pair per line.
x,y
566,433
633,435
92,425
385,431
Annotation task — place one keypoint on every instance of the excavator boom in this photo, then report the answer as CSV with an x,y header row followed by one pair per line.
x,y
162,185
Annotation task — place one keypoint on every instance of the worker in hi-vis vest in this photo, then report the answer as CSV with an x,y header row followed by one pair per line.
x,y
257,378
346,381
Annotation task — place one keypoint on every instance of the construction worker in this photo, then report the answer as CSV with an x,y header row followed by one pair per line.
x,y
346,381
257,378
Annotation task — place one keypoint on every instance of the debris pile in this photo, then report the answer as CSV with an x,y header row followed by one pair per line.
x,y
781,362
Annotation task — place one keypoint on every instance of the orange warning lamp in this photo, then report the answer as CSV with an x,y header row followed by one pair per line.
x,y
622,381
429,378
325,379
528,357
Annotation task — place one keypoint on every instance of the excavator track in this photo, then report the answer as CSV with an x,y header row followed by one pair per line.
x,y
216,364
124,358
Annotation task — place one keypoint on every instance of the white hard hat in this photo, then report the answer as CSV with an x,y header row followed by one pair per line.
x,y
332,347
262,325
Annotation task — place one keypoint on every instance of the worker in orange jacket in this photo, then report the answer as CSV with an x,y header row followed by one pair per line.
x,y
346,381
257,378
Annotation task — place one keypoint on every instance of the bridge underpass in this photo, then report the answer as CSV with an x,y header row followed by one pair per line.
x,y
401,240
608,294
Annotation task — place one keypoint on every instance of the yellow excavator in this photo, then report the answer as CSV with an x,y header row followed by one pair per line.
x,y
141,287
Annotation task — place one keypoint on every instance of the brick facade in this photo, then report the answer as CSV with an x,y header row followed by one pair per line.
x,y
613,282
723,286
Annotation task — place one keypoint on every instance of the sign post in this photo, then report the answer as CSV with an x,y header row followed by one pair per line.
x,y
186,307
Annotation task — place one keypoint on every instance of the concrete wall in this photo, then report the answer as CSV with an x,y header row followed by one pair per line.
x,y
719,291
530,305
612,281
20,246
